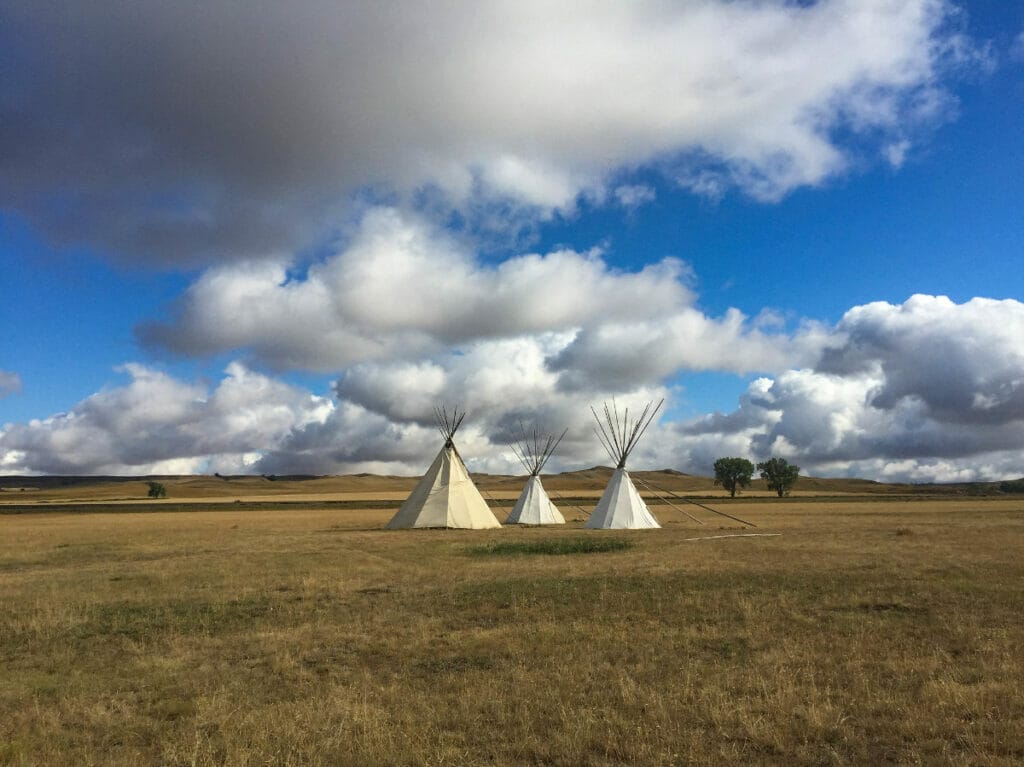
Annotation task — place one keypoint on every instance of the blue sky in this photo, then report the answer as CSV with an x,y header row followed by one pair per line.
x,y
278,257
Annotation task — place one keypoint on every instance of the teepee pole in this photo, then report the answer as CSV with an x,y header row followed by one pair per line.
x,y
707,508
550,451
613,427
531,452
522,458
642,424
572,505
666,500
602,435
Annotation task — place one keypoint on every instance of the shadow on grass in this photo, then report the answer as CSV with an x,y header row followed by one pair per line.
x,y
551,547
190,617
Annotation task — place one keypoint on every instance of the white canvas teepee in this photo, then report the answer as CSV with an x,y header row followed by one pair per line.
x,y
446,495
621,505
534,507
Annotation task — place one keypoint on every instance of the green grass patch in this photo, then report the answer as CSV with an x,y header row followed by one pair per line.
x,y
174,617
455,664
554,546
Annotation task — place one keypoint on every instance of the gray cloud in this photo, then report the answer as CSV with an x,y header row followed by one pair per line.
x,y
351,439
187,133
962,363
499,383
10,383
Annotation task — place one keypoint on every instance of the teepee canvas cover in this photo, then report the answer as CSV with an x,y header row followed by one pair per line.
x,y
534,507
621,505
445,496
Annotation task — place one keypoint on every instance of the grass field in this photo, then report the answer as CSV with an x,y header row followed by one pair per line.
x,y
864,632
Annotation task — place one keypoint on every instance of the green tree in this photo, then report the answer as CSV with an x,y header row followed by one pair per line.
x,y
157,490
780,474
733,472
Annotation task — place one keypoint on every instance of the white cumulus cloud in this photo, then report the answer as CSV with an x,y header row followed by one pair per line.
x,y
159,424
403,290
925,390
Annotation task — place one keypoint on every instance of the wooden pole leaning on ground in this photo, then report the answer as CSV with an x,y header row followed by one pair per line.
x,y
666,500
492,501
708,508
586,514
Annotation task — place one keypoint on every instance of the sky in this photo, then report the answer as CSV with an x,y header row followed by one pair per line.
x,y
263,238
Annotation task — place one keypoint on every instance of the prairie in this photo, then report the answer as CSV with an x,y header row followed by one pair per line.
x,y
859,630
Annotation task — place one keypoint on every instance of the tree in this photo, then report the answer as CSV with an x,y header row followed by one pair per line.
x,y
157,490
780,474
730,472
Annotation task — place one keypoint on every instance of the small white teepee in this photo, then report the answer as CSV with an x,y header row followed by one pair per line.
x,y
534,507
446,495
621,505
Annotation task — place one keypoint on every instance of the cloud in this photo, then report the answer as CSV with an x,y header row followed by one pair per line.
x,y
504,385
1017,48
896,153
962,363
10,383
620,353
634,195
159,424
402,290
351,439
181,134
925,390
381,421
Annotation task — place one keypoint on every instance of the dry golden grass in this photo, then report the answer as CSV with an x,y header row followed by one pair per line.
x,y
868,632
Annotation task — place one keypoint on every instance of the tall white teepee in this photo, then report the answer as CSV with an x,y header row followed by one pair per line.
x,y
534,507
621,505
446,496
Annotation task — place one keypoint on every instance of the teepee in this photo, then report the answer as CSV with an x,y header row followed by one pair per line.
x,y
446,496
621,505
534,507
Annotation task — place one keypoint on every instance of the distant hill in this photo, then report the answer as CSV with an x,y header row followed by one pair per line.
x,y
585,481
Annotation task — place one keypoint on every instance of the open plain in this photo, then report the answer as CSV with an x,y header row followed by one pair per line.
x,y
246,622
